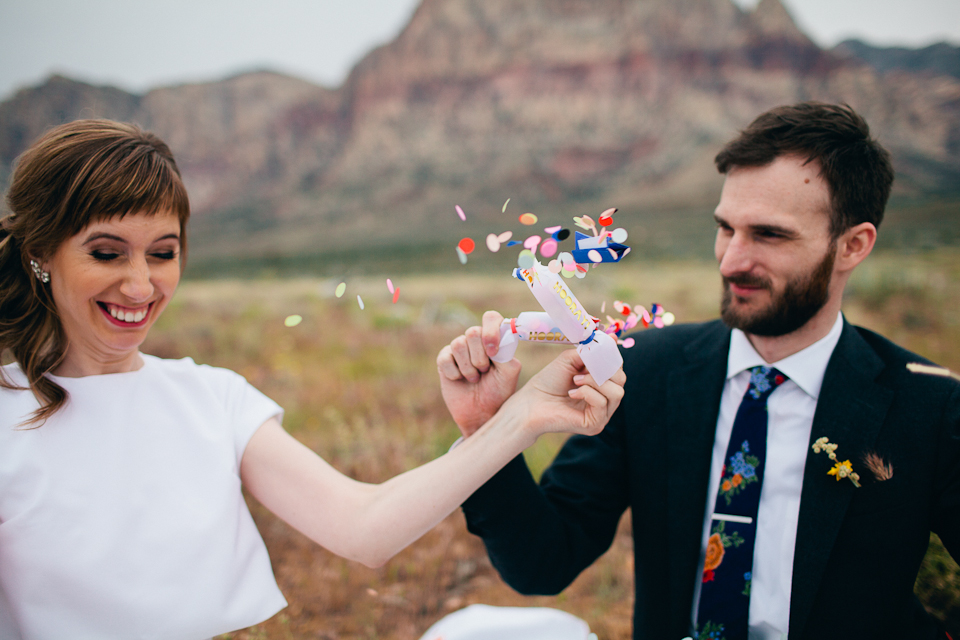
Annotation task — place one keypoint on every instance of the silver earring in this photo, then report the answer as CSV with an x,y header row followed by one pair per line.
x,y
42,276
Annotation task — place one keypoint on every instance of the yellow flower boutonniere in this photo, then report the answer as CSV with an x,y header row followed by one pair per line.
x,y
840,469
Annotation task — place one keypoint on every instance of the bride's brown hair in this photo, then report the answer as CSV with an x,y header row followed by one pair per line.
x,y
77,173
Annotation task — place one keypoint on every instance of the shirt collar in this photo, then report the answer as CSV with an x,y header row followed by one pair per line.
x,y
806,367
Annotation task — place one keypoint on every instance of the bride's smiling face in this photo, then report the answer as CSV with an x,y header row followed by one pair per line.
x,y
110,283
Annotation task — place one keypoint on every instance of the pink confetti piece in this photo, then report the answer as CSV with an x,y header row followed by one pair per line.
x,y
548,248
594,256
493,243
460,213
396,295
505,236
389,285
629,342
360,301
554,266
532,243
553,229
603,307
608,212
658,322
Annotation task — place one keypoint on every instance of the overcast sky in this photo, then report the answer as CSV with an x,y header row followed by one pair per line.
x,y
139,45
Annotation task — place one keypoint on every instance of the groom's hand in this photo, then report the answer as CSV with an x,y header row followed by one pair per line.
x,y
473,386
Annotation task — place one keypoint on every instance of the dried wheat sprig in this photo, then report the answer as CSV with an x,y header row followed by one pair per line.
x,y
881,470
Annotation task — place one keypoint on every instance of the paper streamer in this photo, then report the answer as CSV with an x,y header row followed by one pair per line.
x,y
565,315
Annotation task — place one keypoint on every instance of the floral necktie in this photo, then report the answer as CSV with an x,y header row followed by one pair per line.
x,y
723,611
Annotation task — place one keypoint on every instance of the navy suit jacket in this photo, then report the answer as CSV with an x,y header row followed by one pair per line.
x,y
858,550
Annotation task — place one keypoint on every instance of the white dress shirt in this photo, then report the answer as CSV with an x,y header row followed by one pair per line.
x,y
790,410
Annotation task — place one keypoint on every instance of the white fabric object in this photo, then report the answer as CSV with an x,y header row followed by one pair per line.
x,y
122,516
790,410
484,622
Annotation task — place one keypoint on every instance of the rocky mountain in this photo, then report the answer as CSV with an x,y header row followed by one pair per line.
x,y
565,106
940,59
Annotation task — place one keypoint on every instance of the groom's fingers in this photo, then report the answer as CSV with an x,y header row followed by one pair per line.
x,y
447,365
475,351
490,332
460,349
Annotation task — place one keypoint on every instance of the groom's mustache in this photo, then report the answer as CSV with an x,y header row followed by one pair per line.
x,y
745,280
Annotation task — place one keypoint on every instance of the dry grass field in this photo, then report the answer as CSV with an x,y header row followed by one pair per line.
x,y
359,387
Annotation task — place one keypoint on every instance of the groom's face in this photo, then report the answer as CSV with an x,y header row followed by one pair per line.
x,y
774,246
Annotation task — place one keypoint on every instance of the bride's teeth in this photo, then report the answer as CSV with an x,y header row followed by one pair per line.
x,y
128,316
113,312
139,316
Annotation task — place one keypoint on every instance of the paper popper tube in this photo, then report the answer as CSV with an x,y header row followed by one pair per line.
x,y
561,311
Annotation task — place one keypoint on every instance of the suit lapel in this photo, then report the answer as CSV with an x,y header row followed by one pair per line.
x,y
693,400
850,411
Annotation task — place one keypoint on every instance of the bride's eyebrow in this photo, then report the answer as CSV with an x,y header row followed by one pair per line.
x,y
110,236
101,236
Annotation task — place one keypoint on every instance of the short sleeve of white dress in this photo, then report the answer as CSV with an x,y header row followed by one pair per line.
x,y
122,516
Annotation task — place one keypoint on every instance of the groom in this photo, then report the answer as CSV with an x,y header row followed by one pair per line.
x,y
741,529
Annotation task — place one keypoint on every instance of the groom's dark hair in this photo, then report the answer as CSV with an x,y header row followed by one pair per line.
x,y
856,167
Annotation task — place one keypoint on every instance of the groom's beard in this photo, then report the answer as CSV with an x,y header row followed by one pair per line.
x,y
789,309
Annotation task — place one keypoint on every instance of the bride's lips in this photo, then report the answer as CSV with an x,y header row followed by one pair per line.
x,y
145,311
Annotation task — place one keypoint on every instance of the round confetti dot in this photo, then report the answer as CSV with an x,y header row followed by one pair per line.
x,y
658,322
506,235
629,342
554,266
618,306
341,288
566,274
532,243
460,213
619,235
461,255
360,301
605,221
504,210
569,267
396,295
581,274
561,235
552,230
548,248
292,321
528,219
594,256
669,319
525,259
466,245
565,257
493,243
389,285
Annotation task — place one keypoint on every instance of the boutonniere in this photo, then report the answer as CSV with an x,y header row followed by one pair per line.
x,y
840,470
